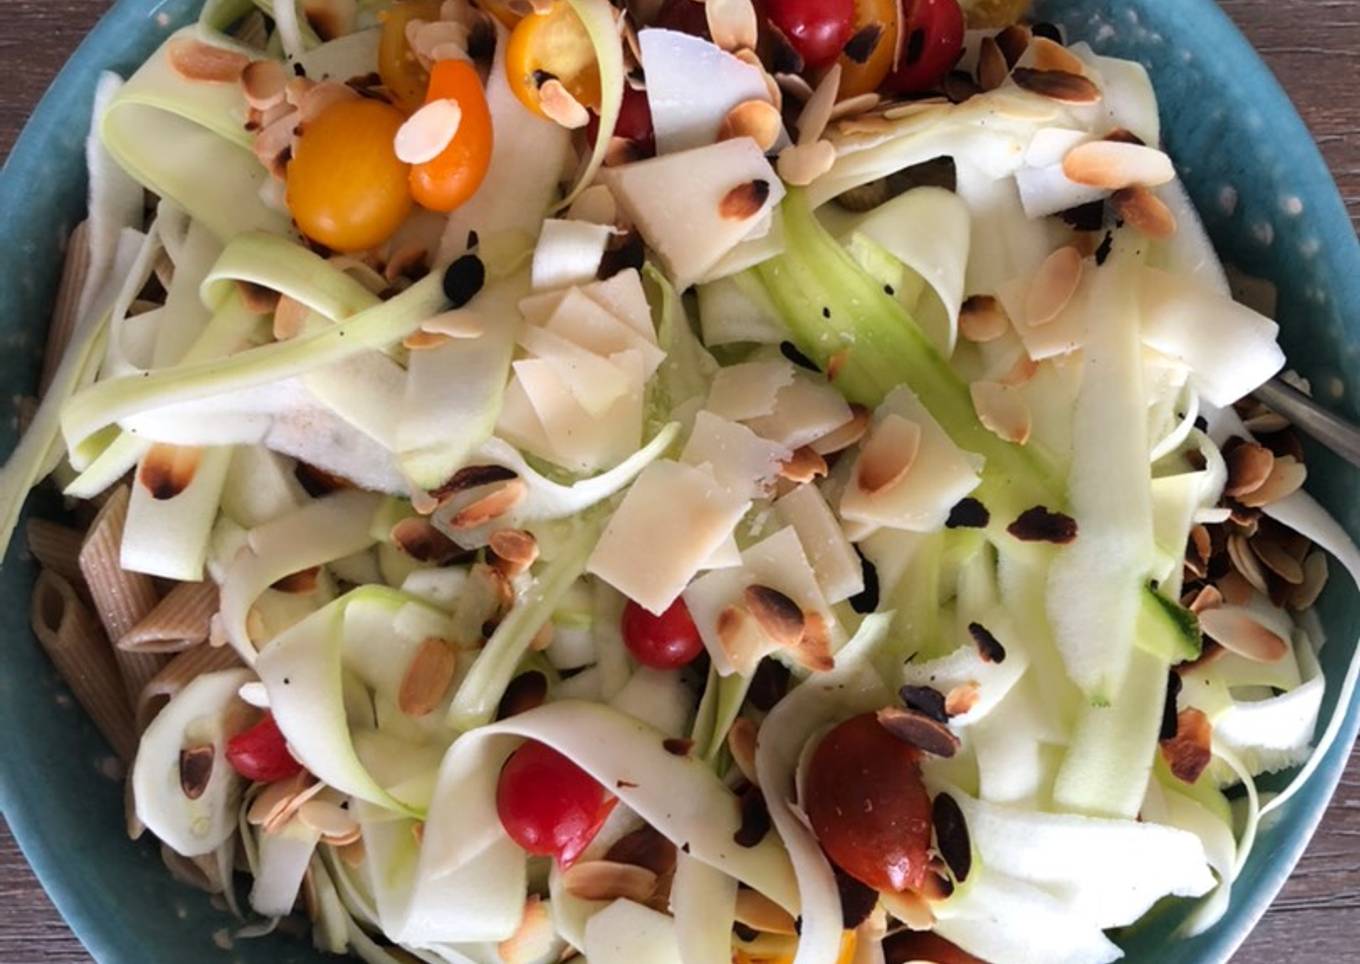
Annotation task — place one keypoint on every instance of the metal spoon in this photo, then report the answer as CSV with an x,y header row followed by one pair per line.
x,y
1336,433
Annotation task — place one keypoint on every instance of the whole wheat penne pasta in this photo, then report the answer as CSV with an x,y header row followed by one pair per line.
x,y
180,620
77,646
178,673
64,313
57,548
122,599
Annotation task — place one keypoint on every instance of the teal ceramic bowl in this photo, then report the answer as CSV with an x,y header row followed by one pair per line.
x,y
1251,167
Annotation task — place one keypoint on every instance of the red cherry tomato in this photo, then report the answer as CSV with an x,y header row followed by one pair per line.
x,y
818,29
934,41
868,806
684,16
668,641
634,123
261,754
548,805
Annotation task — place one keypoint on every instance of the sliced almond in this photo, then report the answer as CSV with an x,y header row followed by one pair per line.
x,y
992,69
816,113
418,538
756,119
1306,592
1021,372
275,803
263,83
1189,752
493,505
845,435
1249,465
353,836
560,106
1054,285
803,465
257,299
1116,165
1002,410
983,319
195,769
744,201
731,23
1235,589
327,819
314,101
1245,562
296,89
273,145
1148,214
300,583
801,164
1286,477
741,638
434,40
533,938
456,324
854,106
961,698
428,678
1014,40
1048,55
1266,422
758,912
424,340
741,743
167,470
1059,85
835,364
1208,597
517,548
887,454
195,60
1234,628
290,317
919,730
607,880
1274,557
813,651
1202,543
425,134
779,617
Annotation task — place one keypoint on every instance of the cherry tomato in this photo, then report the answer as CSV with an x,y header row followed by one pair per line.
x,y
552,45
399,68
261,754
863,78
454,176
668,641
868,806
345,186
934,32
634,123
684,16
548,805
818,29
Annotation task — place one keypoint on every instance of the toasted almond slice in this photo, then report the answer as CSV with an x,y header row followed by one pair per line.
x,y
836,363
315,99
1202,541
427,37
813,651
744,201
758,912
961,698
756,119
982,319
1278,561
418,538
424,135
741,638
1286,477
1049,55
296,89
300,583
1014,40
428,678
1235,588
803,465
257,299
458,323
1249,465
1002,410
1021,372
344,840
1306,593
195,769
910,908
731,23
1188,753
195,60
741,743
1208,597
779,617
1059,85
493,505
1054,285
310,788
887,454
846,435
1235,628
327,818
801,164
1265,422
516,547
920,730
607,880
263,82
533,938
560,106
273,144
424,340
290,317
1116,165
1148,214
1244,561
992,69
854,106
816,113
167,470
271,802
748,56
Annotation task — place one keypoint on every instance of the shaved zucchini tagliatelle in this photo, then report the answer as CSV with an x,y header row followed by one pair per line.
x,y
674,483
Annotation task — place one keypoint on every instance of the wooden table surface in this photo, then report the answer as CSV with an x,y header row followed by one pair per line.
x,y
1314,48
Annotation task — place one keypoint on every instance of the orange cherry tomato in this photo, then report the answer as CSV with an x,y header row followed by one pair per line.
x,y
552,45
345,186
399,68
454,176
863,78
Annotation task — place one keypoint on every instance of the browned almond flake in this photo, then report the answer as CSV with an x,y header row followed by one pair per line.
x,y
516,547
1054,56
1124,136
951,836
845,435
992,68
1207,597
299,583
779,617
982,319
1266,422
493,505
1235,589
428,678
559,106
1234,628
1277,560
677,746
741,742
471,477
195,60
355,835
756,119
423,340
1054,285
327,818
919,730
526,691
835,363
962,698
1013,42
1059,85
1039,524
290,317
195,769
167,470
740,637
758,912
959,86
308,787
272,800
607,880
988,646
645,847
418,538
1249,465
1145,211
263,82
924,699
418,832
803,465
813,651
887,454
1201,541
1002,410
257,299
1306,592
1116,165
1286,477
316,99
745,200
1188,753
801,164
1245,562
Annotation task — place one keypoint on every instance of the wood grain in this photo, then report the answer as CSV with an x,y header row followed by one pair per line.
x,y
1314,48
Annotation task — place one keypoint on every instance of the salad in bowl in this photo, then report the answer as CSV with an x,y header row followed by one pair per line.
x,y
692,482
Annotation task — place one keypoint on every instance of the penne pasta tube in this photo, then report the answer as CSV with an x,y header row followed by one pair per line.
x,y
179,621
179,673
66,310
78,648
57,548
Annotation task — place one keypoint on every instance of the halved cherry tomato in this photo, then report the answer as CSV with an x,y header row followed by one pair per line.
x,y
634,123
399,68
818,29
345,186
548,805
454,176
552,45
934,32
863,77
261,753
668,641
868,806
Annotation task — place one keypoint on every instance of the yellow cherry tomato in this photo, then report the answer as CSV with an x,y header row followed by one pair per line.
x,y
551,45
345,186
400,70
849,942
454,176
863,78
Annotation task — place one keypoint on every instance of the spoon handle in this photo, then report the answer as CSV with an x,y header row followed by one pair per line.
x,y
1336,433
